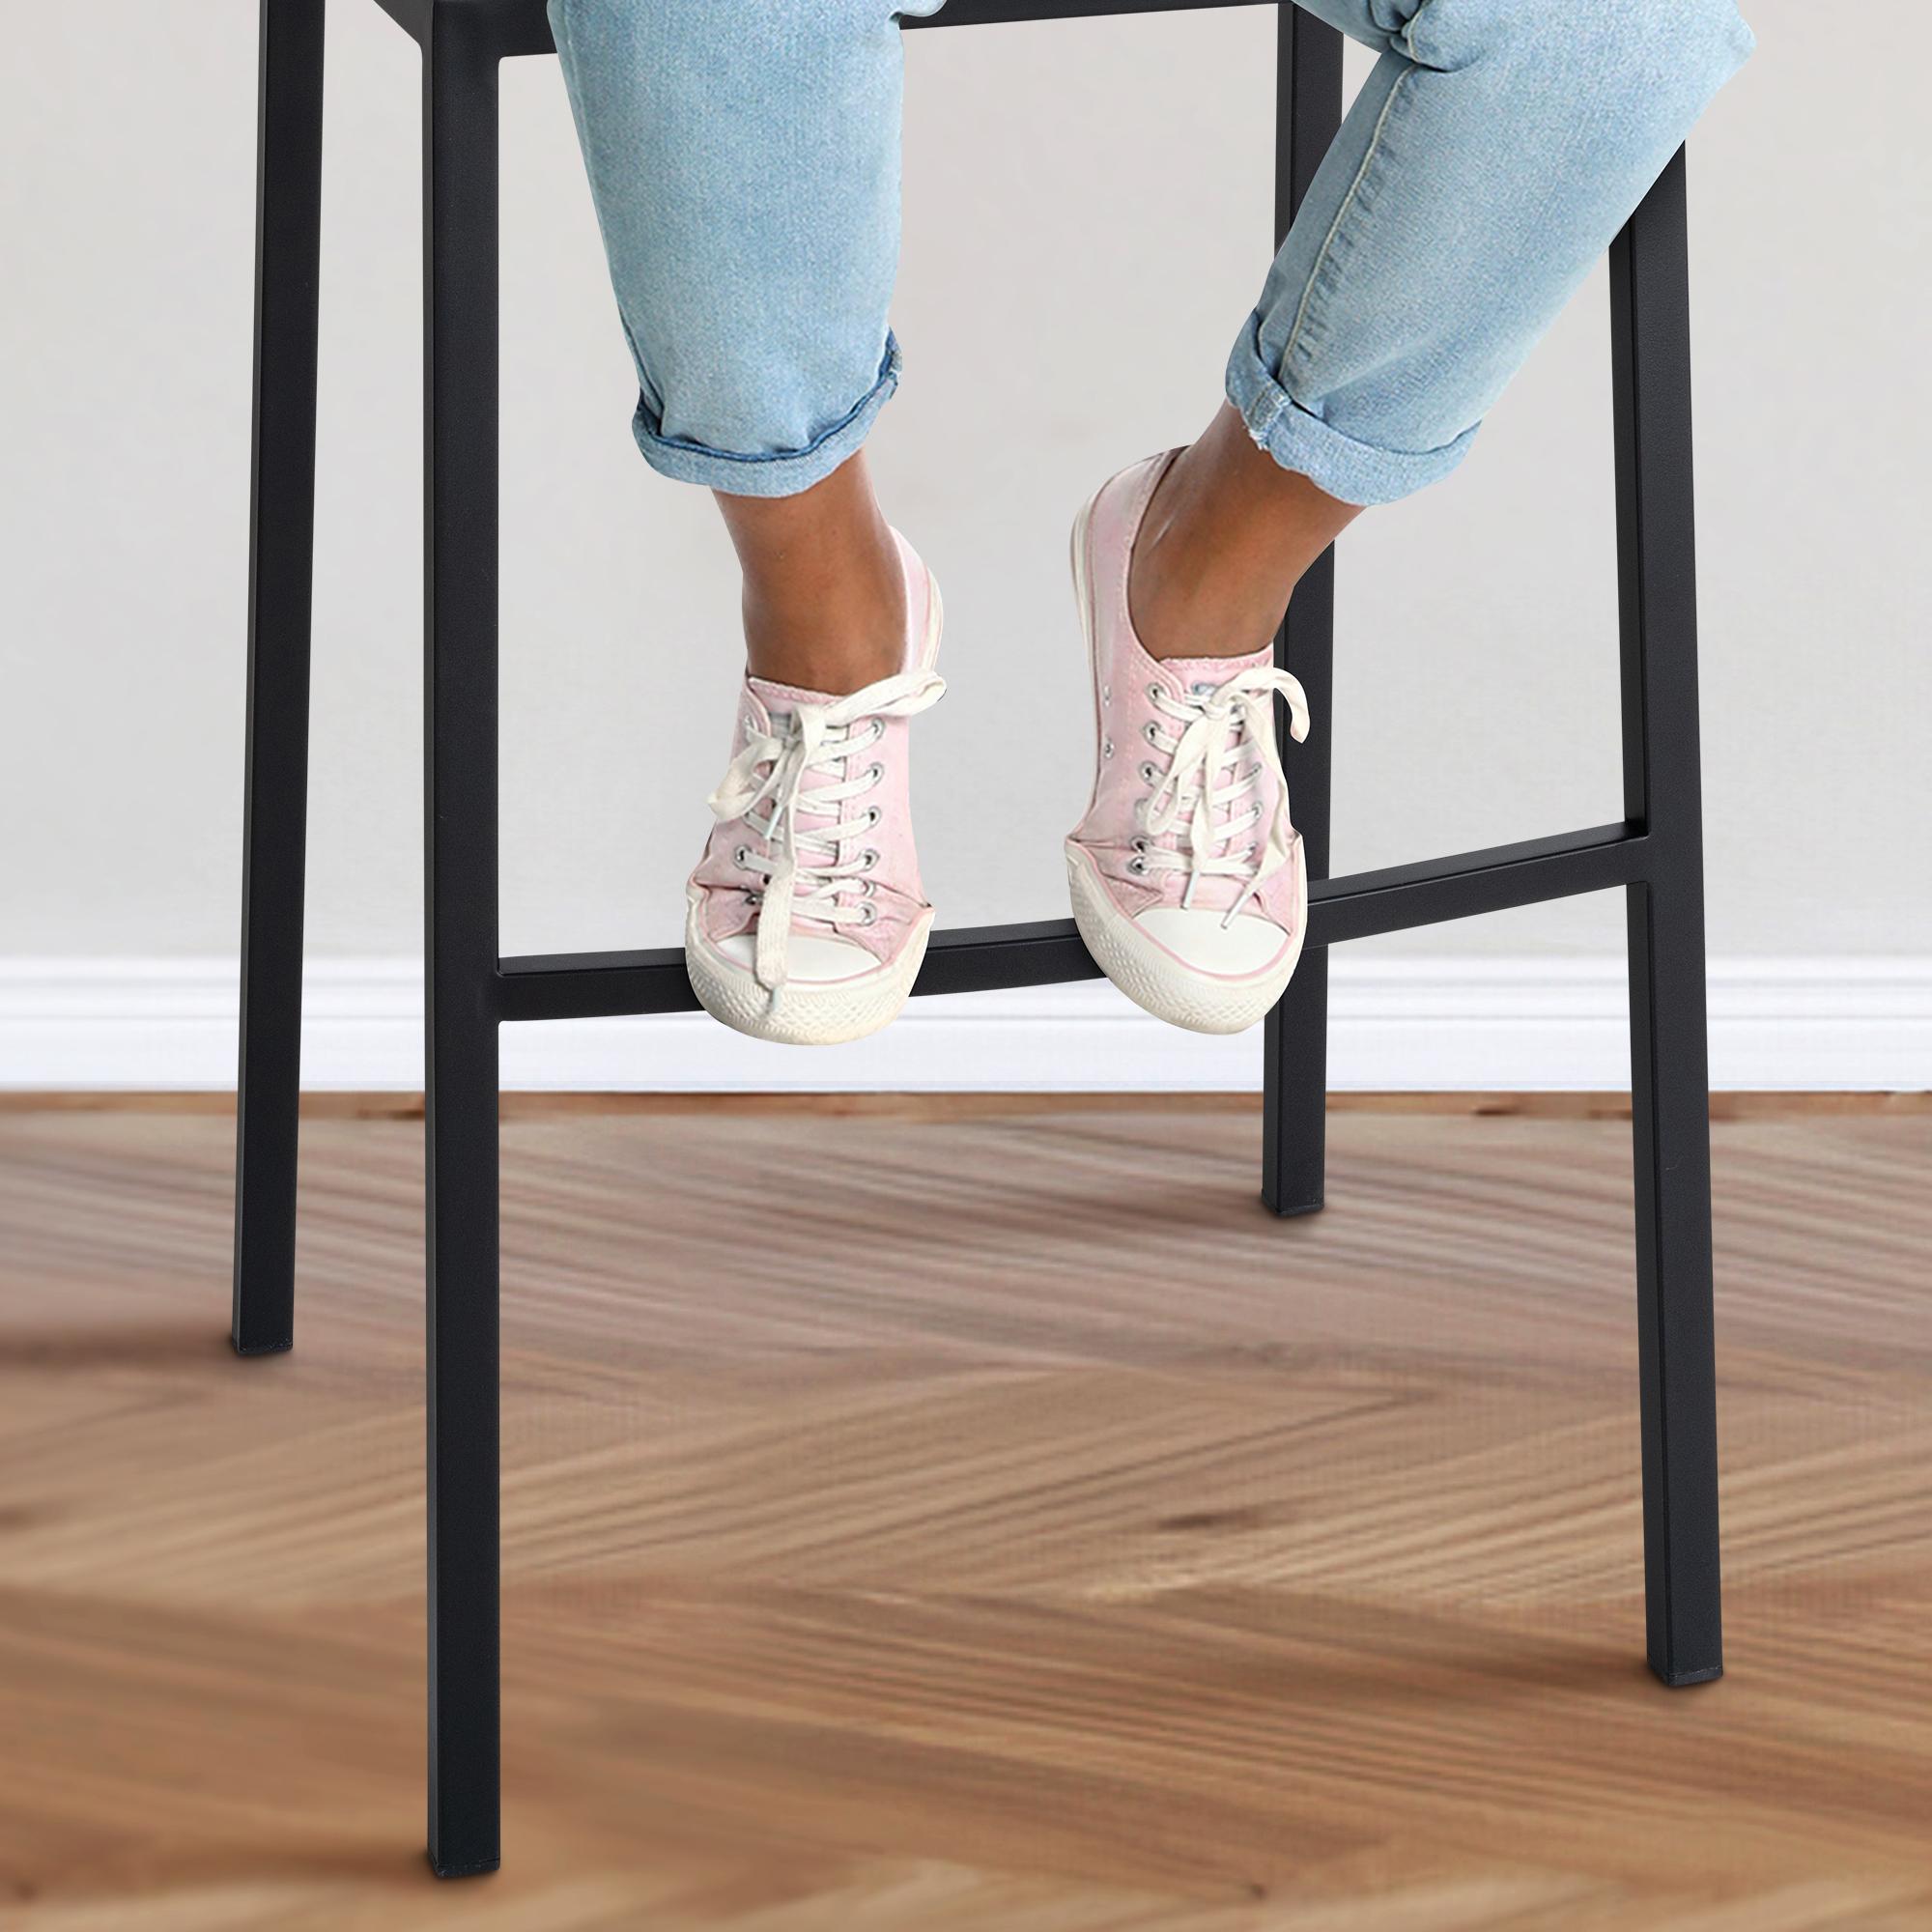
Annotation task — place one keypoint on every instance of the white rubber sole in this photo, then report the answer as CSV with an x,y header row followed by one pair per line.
x,y
1144,970
830,1013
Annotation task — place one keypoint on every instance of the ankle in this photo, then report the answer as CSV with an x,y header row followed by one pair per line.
x,y
836,626
837,651
1185,600
825,599
1227,537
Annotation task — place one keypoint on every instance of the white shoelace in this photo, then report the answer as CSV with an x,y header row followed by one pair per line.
x,y
808,869
1228,724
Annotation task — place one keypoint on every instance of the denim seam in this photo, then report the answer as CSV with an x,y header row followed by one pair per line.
x,y
1342,213
888,371
1274,401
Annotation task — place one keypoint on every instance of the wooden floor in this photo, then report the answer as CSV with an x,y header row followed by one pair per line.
x,y
979,1520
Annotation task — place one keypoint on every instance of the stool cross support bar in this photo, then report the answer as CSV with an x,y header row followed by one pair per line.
x,y
982,960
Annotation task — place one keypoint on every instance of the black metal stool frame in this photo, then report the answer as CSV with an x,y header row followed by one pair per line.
x,y
1654,853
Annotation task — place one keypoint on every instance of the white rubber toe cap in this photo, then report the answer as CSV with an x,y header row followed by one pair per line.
x,y
834,989
810,960
1207,941
1182,966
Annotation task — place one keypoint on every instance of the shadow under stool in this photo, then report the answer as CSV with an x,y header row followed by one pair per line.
x,y
1654,853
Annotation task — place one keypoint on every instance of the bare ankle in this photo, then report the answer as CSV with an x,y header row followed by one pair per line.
x,y
838,636
1183,605
824,584
1226,539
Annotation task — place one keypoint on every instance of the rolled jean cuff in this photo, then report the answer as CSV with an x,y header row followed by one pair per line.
x,y
1355,472
780,474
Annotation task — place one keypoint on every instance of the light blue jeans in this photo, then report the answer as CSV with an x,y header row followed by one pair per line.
x,y
745,159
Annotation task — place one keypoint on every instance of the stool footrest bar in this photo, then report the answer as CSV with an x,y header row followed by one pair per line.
x,y
982,960
1434,890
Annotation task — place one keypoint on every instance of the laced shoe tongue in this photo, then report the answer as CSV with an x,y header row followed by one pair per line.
x,y
1202,678
781,701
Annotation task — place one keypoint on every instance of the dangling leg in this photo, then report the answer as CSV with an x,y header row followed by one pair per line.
x,y
1495,152
1486,164
747,178
746,168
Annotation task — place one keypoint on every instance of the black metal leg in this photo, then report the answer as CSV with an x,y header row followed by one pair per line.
x,y
281,546
1669,1071
460,727
1294,1101
1296,1077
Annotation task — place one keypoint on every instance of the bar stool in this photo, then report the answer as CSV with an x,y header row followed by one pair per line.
x,y
1654,852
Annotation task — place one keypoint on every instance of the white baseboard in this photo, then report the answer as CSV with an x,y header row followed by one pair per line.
x,y
1409,1024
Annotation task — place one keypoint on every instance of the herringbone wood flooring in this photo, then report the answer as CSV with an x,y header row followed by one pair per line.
x,y
967,1518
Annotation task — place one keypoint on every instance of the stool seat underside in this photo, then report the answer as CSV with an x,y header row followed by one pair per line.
x,y
523,26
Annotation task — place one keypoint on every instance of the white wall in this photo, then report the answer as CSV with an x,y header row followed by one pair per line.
x,y
1049,342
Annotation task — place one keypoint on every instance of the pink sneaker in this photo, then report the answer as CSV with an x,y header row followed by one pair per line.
x,y
1189,883
806,921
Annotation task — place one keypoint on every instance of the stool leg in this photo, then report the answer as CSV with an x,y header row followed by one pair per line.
x,y
1669,1073
1294,1097
460,729
281,548
1296,1055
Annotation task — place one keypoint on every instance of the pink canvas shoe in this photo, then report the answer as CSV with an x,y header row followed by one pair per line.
x,y
806,921
1189,883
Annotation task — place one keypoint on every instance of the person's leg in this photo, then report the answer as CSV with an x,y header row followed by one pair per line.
x,y
1491,159
745,164
1489,162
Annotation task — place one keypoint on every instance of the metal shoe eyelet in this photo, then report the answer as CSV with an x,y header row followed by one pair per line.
x,y
869,860
1150,731
1140,845
1107,747
873,814
876,773
1106,694
869,889
741,857
1150,773
1154,694
1138,866
870,916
